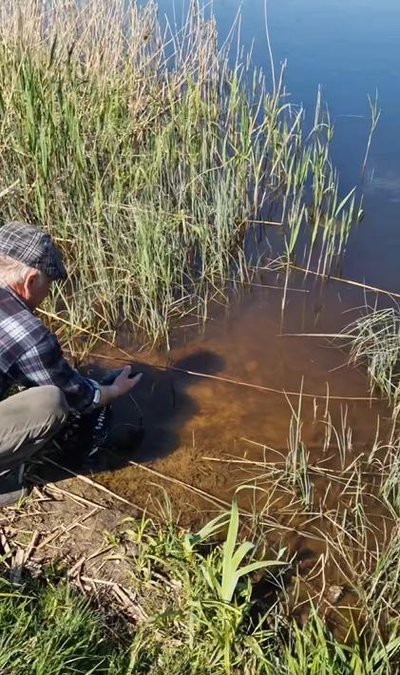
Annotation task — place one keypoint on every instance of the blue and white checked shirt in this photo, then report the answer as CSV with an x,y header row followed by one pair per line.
x,y
31,356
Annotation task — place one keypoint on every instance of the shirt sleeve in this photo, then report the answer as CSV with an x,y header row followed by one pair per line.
x,y
44,364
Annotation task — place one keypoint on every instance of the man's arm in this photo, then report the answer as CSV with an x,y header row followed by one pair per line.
x,y
45,364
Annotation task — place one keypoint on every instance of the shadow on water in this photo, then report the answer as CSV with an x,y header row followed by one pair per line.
x,y
145,424
164,404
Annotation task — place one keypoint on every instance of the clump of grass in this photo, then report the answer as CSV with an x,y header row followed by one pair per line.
x,y
344,504
193,626
199,609
382,588
375,341
199,613
314,650
147,155
297,460
47,628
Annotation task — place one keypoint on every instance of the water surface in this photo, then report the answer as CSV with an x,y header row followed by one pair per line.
x,y
351,50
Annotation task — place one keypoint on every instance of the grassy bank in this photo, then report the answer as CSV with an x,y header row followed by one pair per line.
x,y
47,627
194,611
155,161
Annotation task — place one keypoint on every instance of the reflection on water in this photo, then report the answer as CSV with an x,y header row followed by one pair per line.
x,y
352,50
387,183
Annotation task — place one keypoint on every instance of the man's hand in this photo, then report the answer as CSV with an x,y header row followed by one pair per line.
x,y
123,383
121,386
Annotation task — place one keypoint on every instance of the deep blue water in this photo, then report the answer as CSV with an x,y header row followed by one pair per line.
x,y
351,48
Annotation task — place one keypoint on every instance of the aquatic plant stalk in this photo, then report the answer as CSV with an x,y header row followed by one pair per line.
x,y
146,152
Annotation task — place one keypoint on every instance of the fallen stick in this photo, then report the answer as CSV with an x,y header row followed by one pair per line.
x,y
56,532
76,498
264,222
102,582
80,520
98,486
238,383
76,567
219,502
350,282
260,387
316,335
213,500
32,546
274,287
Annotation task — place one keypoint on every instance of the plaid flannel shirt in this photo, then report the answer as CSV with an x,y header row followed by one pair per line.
x,y
31,356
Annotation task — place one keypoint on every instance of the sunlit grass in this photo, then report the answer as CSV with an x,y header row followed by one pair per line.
x,y
148,156
47,628
374,341
192,626
198,608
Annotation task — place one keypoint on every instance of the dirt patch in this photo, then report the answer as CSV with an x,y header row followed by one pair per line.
x,y
77,528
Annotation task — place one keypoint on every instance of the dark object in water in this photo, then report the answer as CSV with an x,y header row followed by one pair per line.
x,y
85,436
97,430
112,376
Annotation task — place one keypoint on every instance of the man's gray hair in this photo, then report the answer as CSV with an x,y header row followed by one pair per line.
x,y
12,271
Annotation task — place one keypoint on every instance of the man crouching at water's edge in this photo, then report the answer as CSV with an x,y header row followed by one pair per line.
x,y
31,357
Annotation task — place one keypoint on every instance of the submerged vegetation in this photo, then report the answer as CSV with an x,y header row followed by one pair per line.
x,y
152,160
375,342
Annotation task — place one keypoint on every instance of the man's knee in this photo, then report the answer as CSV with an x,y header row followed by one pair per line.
x,y
52,400
29,419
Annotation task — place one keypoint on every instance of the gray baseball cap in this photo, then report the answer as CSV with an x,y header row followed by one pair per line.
x,y
32,246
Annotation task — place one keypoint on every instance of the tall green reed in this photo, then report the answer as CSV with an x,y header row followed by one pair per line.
x,y
146,154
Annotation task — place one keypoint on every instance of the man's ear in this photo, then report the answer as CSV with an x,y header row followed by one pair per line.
x,y
30,278
29,291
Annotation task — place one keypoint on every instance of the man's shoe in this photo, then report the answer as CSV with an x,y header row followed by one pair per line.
x,y
11,487
83,438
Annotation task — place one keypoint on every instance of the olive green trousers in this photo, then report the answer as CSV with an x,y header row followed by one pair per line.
x,y
28,420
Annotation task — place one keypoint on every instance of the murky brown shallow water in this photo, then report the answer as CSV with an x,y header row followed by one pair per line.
x,y
189,418
198,430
